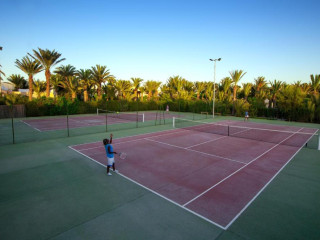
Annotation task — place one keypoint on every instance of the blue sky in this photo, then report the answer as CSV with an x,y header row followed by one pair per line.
x,y
158,39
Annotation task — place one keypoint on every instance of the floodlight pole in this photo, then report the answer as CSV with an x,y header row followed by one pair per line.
x,y
214,84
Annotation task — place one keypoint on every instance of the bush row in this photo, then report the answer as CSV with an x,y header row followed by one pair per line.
x,y
62,106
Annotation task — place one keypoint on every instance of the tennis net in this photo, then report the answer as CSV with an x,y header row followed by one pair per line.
x,y
299,138
134,117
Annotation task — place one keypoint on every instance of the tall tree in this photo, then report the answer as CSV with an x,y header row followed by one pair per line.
x,y
1,73
199,88
71,83
30,67
39,86
175,84
48,59
55,82
315,83
136,82
18,81
122,87
67,72
100,74
275,88
151,87
236,77
225,88
85,78
260,87
246,90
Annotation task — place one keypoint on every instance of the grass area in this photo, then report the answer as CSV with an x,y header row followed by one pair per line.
x,y
49,191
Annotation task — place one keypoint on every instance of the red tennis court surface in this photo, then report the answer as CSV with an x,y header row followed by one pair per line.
x,y
213,176
59,123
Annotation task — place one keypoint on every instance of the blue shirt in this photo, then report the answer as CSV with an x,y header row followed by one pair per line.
x,y
109,155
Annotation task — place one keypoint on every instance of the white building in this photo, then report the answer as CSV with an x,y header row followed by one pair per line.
x,y
7,87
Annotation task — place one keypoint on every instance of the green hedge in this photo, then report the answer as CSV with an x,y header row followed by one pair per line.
x,y
62,106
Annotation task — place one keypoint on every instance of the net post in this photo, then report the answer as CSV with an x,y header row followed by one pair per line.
x,y
319,141
173,122
228,130
137,119
142,117
97,111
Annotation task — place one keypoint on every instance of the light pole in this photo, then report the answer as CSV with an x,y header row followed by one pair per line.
x,y
214,84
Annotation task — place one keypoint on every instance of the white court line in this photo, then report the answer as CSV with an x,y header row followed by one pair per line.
x,y
30,125
216,139
229,159
183,206
89,124
247,205
149,139
212,140
158,194
237,170
133,139
127,137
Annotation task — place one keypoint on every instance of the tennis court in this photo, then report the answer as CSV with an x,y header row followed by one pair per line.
x,y
58,123
214,170
102,118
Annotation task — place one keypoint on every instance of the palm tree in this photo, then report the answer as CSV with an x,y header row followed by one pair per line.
x,y
315,83
236,77
142,90
274,91
67,72
260,86
55,81
48,59
39,86
187,90
85,77
199,88
246,90
100,74
18,81
1,73
305,88
71,83
30,67
225,85
151,87
136,84
175,83
122,88
208,91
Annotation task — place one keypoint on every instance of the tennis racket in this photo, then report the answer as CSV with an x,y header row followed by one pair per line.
x,y
122,155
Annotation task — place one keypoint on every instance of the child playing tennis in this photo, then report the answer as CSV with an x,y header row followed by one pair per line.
x,y
246,116
110,154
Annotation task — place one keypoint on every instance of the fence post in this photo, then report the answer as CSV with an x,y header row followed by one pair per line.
x,y
12,125
68,120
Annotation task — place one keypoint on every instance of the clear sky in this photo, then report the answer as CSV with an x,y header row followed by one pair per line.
x,y
158,39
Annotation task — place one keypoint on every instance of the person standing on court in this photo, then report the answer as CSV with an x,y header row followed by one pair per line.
x,y
246,116
110,154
